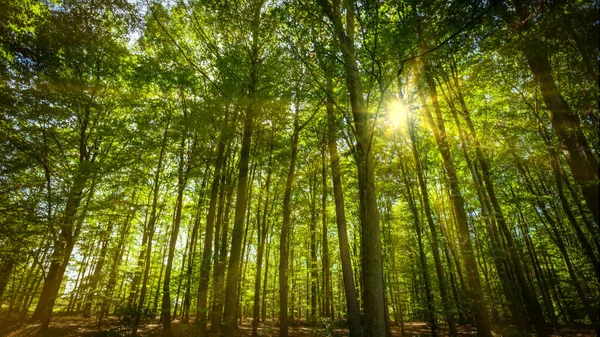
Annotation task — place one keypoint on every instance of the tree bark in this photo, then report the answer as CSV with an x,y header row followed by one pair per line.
x,y
182,174
116,259
207,253
262,236
480,312
372,271
433,232
285,229
340,218
410,197
150,228
233,270
565,122
313,248
326,271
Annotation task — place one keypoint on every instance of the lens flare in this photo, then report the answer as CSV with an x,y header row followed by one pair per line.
x,y
397,113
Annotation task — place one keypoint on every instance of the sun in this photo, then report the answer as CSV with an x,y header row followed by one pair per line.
x,y
397,112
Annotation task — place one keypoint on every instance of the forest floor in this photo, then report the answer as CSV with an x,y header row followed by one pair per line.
x,y
71,326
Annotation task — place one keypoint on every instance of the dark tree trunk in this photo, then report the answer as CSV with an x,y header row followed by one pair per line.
x,y
285,229
328,303
433,232
340,218
233,270
565,122
480,312
372,271
262,236
70,227
207,253
410,197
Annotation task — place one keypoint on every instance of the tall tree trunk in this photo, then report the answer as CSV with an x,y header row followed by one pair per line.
x,y
262,236
558,179
285,229
558,240
181,274
326,272
372,271
116,259
532,305
313,247
163,254
565,122
539,275
245,245
93,283
480,312
207,253
410,197
340,217
192,252
150,228
137,276
221,259
433,232
70,227
263,309
233,270
511,291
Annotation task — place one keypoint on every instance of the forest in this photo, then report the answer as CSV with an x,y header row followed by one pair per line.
x,y
361,168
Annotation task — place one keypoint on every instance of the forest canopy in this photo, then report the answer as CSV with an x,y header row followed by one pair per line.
x,y
299,168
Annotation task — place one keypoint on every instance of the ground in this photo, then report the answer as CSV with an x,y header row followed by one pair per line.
x,y
71,326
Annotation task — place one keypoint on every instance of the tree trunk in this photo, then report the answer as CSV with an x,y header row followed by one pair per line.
x,y
313,247
70,227
433,232
372,271
192,252
262,236
340,218
410,197
565,122
480,312
207,253
285,229
150,228
263,309
326,272
558,240
233,270
221,259
532,306
184,259
116,259
93,283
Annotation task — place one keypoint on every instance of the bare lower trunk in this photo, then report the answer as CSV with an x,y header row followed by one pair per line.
x,y
207,253
340,217
480,312
150,229
433,232
262,229
285,229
